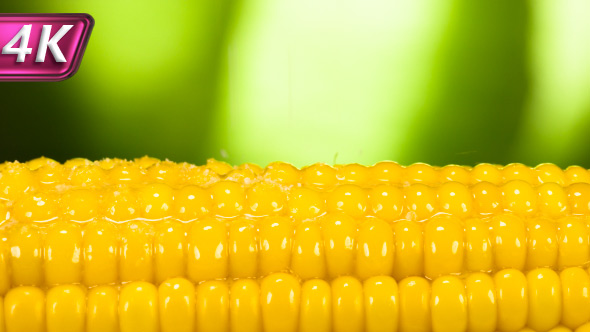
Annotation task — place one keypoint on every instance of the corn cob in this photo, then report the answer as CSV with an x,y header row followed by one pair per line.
x,y
108,236
541,300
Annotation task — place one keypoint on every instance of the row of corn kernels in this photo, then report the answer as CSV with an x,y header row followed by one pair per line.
x,y
508,301
82,173
101,252
229,199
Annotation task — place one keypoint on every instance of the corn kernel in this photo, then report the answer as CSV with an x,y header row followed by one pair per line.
x,y
454,173
353,174
319,176
155,201
349,199
165,172
387,172
228,198
305,203
87,176
125,173
421,173
520,172
191,202
486,173
39,207
80,205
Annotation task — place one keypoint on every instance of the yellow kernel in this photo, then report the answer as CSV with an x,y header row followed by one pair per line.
x,y
308,259
339,232
208,255
275,235
219,167
282,173
455,198
255,169
280,295
201,175
509,240
576,174
228,198
24,309
545,299
454,173
448,304
39,162
487,198
63,247
87,175
136,251
212,312
575,286
546,173
120,204
305,203
376,250
349,199
77,162
264,199
65,308
138,307
80,205
109,163
578,195
443,246
155,201
552,200
50,174
38,207
420,201
573,239
486,173
146,162
243,249
542,243
414,304
15,180
421,173
387,172
191,202
320,176
478,246
177,305
512,300
26,255
347,305
517,171
166,172
246,176
125,173
519,197
381,304
354,174
386,202
409,249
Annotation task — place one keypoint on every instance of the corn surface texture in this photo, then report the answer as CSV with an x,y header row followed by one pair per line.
x,y
150,245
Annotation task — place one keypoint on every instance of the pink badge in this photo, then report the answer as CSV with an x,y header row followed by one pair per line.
x,y
42,47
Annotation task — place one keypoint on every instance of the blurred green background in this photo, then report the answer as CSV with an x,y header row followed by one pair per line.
x,y
303,81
